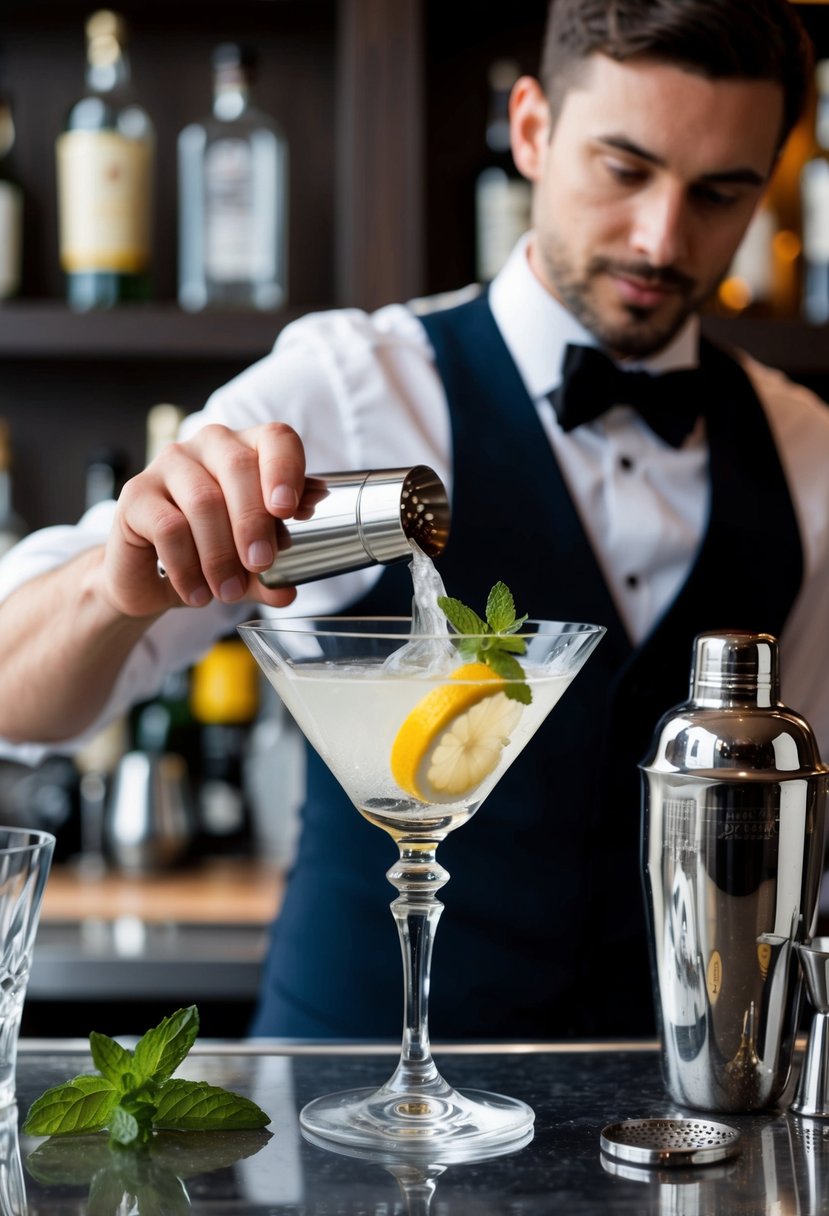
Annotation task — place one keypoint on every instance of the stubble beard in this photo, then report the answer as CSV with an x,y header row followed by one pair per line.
x,y
642,332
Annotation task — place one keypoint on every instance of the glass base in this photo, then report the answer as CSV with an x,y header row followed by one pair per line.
x,y
448,1125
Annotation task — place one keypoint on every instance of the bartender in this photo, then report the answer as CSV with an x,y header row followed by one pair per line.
x,y
603,459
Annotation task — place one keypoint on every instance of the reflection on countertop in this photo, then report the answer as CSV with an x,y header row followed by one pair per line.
x,y
576,1090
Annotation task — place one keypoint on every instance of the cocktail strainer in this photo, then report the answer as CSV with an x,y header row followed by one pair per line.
x,y
674,1142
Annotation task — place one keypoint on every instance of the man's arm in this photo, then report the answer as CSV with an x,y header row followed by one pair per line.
x,y
206,509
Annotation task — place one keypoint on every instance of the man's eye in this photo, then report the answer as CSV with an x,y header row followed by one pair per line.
x,y
624,173
714,196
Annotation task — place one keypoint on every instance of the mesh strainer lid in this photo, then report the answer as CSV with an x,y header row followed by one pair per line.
x,y
669,1141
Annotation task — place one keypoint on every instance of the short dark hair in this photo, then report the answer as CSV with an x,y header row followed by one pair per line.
x,y
720,39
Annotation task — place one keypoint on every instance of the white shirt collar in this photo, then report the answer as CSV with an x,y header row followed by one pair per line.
x,y
537,328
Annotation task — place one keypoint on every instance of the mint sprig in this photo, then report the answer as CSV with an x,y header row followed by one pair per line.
x,y
493,640
136,1093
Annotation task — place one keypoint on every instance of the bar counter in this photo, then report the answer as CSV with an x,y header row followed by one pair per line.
x,y
782,1167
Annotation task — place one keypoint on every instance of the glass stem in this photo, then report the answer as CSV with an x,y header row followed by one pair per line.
x,y
417,876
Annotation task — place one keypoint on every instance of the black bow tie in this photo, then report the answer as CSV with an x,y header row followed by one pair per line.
x,y
592,383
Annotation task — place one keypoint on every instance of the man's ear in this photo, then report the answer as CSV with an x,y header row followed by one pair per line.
x,y
529,116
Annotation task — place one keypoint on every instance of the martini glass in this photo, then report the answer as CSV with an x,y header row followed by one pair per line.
x,y
408,695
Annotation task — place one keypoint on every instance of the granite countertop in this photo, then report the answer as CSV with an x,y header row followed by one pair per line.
x,y
782,1167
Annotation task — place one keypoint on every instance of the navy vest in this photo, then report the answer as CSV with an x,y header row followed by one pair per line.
x,y
543,934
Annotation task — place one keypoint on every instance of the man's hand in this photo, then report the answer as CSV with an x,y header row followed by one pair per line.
x,y
207,510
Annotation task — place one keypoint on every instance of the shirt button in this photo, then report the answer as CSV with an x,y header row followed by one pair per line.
x,y
632,581
626,463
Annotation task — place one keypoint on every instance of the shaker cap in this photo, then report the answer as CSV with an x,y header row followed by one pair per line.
x,y
735,665
734,727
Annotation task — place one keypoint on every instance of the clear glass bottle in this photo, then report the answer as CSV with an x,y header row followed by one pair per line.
x,y
12,527
11,209
104,176
814,187
502,196
106,472
233,197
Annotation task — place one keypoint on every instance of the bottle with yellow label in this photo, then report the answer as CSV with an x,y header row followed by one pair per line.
x,y
224,701
104,178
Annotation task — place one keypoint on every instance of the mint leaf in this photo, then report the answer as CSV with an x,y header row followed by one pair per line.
x,y
508,668
500,608
111,1059
136,1093
494,641
463,618
503,642
123,1127
197,1106
83,1104
159,1052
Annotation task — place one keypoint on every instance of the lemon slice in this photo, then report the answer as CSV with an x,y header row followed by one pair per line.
x,y
454,737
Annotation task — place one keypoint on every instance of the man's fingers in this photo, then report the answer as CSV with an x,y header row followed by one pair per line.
x,y
281,468
208,509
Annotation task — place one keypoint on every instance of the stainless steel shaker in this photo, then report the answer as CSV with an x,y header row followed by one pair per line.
x,y
734,797
360,519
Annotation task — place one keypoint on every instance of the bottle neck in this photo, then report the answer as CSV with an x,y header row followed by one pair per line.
x,y
108,76
6,510
231,98
822,122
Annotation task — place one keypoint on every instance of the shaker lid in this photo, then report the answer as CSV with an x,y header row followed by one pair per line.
x,y
735,665
734,725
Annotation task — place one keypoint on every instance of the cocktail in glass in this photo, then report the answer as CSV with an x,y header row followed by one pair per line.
x,y
434,734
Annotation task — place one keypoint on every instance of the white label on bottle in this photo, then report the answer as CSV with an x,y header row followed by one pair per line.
x,y
104,192
502,205
230,252
11,226
816,212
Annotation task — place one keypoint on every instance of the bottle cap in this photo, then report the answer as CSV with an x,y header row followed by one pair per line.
x,y
106,34
225,685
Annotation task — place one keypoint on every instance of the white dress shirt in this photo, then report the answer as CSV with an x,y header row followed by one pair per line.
x,y
363,392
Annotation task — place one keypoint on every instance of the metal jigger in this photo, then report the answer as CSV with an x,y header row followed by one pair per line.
x,y
812,1097
351,520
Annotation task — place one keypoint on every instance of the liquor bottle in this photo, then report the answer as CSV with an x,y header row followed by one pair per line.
x,y
12,527
224,699
11,209
233,197
502,195
748,288
104,177
106,472
814,185
163,422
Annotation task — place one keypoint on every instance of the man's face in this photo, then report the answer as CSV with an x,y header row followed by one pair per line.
x,y
643,192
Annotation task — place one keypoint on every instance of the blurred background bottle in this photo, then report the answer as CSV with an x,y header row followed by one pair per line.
x,y
502,196
233,197
11,208
224,699
12,527
748,288
814,184
163,422
104,177
106,472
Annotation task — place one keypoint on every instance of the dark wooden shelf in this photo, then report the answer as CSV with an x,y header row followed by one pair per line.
x,y
47,329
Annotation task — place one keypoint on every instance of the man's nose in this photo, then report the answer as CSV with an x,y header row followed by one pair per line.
x,y
660,226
